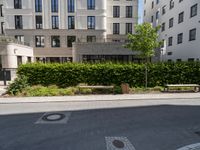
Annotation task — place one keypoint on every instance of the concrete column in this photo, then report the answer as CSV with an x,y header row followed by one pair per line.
x,y
24,59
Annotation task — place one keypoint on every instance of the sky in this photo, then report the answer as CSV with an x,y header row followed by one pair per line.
x,y
140,10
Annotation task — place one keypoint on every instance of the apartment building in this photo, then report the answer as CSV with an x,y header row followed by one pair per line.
x,y
56,28
180,27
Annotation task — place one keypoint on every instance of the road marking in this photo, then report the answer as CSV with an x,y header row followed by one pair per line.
x,y
54,118
118,143
191,147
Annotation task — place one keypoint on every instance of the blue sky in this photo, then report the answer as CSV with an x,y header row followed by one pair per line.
x,y
140,10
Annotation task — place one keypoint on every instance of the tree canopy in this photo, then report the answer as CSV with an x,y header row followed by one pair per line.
x,y
145,40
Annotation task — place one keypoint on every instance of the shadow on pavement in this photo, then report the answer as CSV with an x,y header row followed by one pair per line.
x,y
162,127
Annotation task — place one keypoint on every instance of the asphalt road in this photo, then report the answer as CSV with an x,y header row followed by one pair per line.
x,y
158,127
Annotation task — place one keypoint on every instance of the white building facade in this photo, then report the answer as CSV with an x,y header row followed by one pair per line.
x,y
180,27
51,26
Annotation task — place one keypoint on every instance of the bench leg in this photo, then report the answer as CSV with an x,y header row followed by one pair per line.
x,y
196,89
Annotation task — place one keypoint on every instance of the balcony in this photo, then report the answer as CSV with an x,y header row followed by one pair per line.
x,y
9,39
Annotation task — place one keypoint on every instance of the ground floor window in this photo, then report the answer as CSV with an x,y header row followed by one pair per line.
x,y
29,59
19,60
112,58
0,61
54,59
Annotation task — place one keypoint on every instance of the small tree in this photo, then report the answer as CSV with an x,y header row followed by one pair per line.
x,y
144,41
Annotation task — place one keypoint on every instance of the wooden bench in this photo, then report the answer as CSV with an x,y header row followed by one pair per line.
x,y
95,87
195,86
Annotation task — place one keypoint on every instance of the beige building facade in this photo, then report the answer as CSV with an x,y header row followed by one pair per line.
x,y
52,26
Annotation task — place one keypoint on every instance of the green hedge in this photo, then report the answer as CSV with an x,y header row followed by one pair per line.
x,y
71,74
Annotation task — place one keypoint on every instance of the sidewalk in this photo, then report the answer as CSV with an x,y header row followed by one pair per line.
x,y
92,98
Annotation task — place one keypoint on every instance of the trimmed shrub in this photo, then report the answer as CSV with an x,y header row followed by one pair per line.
x,y
71,74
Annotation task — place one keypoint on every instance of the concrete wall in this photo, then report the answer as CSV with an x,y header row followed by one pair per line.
x,y
80,49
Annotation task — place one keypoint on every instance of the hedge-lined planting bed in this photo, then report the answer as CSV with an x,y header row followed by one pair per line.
x,y
71,74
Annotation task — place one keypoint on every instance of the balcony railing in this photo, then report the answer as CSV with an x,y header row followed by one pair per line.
x,y
9,39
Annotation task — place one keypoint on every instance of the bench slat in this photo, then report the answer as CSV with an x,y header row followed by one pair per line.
x,y
182,85
98,87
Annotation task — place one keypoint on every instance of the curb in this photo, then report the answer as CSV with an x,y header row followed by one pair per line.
x,y
94,98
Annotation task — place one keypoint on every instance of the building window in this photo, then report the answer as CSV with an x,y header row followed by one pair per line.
x,y
91,4
1,10
18,4
18,22
91,22
190,59
54,5
55,41
91,39
70,40
163,27
29,60
157,15
181,17
192,35
19,60
129,28
129,11
2,27
169,53
116,11
180,38
152,4
193,11
19,38
71,6
163,10
71,22
171,22
55,22
38,5
39,41
170,41
116,28
171,4
152,18
38,22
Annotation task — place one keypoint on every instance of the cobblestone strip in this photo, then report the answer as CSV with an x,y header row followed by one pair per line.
x,y
191,147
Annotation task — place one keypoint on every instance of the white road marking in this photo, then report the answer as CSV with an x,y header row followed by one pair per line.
x,y
127,143
54,117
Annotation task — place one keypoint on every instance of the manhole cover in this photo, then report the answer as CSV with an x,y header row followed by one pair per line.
x,y
53,117
118,144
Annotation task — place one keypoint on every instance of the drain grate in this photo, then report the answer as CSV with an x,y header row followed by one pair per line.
x,y
54,118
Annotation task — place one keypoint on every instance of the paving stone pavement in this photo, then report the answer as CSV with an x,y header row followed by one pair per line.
x,y
191,147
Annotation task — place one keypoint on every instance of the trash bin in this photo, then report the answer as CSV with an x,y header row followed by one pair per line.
x,y
125,88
